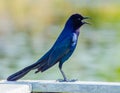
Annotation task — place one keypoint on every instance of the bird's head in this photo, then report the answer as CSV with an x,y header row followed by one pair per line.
x,y
76,21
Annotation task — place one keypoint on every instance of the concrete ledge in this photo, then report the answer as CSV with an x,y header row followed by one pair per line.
x,y
55,86
15,88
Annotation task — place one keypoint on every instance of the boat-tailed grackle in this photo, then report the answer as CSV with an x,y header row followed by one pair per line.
x,y
60,51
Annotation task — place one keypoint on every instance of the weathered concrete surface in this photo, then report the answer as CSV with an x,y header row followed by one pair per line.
x,y
14,88
78,86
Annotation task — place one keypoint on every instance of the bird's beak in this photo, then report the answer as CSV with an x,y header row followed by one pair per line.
x,y
86,18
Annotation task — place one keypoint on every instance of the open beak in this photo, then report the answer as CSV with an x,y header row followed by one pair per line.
x,y
84,19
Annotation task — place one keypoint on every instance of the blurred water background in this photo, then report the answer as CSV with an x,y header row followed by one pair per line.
x,y
28,29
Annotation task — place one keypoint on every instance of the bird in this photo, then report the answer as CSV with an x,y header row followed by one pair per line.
x,y
61,50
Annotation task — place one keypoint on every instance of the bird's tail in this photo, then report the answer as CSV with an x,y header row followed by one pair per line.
x,y
40,65
21,73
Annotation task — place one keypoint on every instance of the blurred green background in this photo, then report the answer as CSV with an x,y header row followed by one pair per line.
x,y
28,29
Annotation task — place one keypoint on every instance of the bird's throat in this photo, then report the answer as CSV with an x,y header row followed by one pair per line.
x,y
78,30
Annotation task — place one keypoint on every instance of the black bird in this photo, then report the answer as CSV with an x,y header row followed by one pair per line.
x,y
61,50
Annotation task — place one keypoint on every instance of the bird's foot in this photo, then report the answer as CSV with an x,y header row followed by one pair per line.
x,y
67,80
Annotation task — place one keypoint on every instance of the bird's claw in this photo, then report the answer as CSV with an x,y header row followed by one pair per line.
x,y
66,80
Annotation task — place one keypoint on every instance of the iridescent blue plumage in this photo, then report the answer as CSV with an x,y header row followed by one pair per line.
x,y
61,50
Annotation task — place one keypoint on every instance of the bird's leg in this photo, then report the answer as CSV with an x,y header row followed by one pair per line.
x,y
63,74
65,78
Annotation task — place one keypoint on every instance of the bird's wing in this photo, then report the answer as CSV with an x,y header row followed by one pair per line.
x,y
59,50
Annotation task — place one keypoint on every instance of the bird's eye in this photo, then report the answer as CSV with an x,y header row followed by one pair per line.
x,y
79,19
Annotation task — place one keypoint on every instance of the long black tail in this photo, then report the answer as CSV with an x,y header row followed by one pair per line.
x,y
40,65
18,74
21,73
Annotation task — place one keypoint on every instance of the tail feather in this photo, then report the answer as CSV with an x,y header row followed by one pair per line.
x,y
40,65
24,71
18,74
44,67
